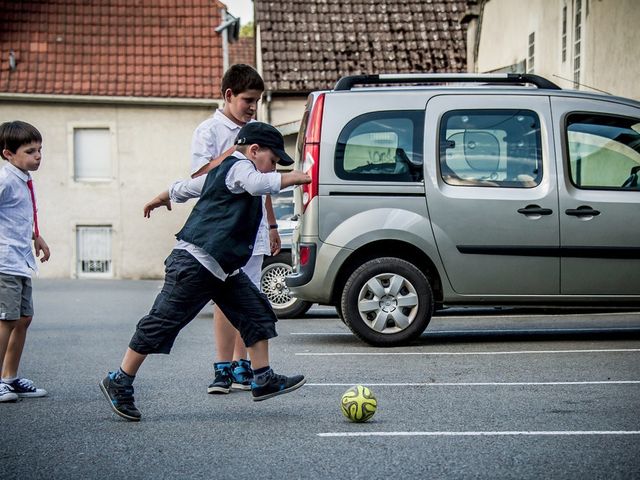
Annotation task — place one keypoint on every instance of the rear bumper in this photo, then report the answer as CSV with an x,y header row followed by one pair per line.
x,y
305,272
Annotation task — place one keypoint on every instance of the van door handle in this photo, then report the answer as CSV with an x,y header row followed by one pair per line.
x,y
535,210
582,211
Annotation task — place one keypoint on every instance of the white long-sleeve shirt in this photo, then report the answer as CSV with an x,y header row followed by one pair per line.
x,y
242,177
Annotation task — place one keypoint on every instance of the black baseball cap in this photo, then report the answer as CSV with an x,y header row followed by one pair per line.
x,y
266,136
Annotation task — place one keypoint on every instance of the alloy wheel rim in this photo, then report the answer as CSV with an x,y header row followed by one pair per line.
x,y
388,303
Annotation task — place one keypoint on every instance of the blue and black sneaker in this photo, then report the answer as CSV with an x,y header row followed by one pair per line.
x,y
120,398
222,380
271,384
241,375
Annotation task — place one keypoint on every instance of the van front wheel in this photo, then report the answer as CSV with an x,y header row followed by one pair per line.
x,y
387,302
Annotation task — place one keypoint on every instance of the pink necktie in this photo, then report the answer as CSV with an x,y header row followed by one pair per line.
x,y
35,210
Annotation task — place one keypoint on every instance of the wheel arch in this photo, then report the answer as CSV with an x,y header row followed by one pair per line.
x,y
388,248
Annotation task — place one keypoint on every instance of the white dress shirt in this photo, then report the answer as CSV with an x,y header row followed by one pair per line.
x,y
211,139
242,177
16,223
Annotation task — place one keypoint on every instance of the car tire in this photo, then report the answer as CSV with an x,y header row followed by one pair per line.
x,y
387,302
274,271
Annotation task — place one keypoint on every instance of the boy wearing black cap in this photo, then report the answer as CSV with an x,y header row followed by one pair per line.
x,y
215,242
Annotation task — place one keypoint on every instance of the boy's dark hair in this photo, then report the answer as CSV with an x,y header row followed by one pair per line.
x,y
15,134
240,78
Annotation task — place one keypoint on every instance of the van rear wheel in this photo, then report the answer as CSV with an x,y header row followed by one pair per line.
x,y
387,302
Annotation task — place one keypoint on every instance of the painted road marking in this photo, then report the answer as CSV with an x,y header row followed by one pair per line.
x,y
516,352
523,331
476,384
481,434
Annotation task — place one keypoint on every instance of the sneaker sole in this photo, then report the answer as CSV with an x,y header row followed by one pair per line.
x,y
42,393
281,392
113,407
9,397
240,386
218,390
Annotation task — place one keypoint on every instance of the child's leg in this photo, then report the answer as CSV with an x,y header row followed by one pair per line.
x,y
259,352
225,336
6,327
132,362
14,347
184,293
251,313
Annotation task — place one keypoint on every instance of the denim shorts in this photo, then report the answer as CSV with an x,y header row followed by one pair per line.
x,y
15,297
188,287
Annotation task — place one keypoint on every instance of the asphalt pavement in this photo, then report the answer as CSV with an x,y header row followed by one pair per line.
x,y
489,393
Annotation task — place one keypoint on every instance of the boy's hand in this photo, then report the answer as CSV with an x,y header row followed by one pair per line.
x,y
274,241
41,247
159,201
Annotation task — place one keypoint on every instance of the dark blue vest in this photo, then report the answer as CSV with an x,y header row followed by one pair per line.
x,y
222,223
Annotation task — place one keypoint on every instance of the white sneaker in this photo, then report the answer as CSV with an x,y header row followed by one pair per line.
x,y
7,394
25,388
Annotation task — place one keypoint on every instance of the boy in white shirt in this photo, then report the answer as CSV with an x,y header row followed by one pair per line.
x,y
21,147
212,142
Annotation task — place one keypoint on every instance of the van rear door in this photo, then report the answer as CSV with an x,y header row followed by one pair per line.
x,y
599,196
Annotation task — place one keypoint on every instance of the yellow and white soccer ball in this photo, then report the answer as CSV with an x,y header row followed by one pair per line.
x,y
358,404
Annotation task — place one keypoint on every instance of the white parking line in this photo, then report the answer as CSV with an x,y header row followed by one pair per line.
x,y
497,331
476,384
481,434
516,352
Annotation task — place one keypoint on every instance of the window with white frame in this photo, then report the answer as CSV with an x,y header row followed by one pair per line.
x,y
577,44
532,51
564,33
92,154
93,247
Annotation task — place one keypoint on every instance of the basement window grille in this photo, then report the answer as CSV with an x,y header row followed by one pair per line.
x,y
94,251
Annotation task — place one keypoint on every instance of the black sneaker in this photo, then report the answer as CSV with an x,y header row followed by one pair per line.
x,y
276,385
7,394
241,375
222,381
120,398
24,387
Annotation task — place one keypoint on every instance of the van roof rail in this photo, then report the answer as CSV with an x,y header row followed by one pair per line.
x,y
346,83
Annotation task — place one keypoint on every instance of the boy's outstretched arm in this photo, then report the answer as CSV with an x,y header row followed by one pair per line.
x,y
159,201
294,177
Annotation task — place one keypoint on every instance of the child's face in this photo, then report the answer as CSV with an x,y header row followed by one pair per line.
x,y
241,108
26,158
264,158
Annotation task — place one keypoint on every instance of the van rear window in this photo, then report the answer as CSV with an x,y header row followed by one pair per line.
x,y
382,146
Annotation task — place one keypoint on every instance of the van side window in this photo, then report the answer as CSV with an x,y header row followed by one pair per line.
x,y
382,146
604,151
491,148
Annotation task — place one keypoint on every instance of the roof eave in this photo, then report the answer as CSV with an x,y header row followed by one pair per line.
x,y
103,99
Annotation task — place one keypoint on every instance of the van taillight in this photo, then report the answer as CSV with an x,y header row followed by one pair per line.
x,y
305,253
311,151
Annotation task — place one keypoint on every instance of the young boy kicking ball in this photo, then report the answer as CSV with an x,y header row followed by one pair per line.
x,y
215,242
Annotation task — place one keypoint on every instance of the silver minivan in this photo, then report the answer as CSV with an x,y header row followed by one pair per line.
x,y
437,190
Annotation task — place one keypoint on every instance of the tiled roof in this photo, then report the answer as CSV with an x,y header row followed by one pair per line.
x,y
142,48
243,51
309,44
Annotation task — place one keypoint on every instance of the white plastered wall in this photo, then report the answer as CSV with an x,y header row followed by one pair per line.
x,y
610,38
150,149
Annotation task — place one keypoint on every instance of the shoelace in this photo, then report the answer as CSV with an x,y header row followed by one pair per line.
x,y
4,388
26,384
